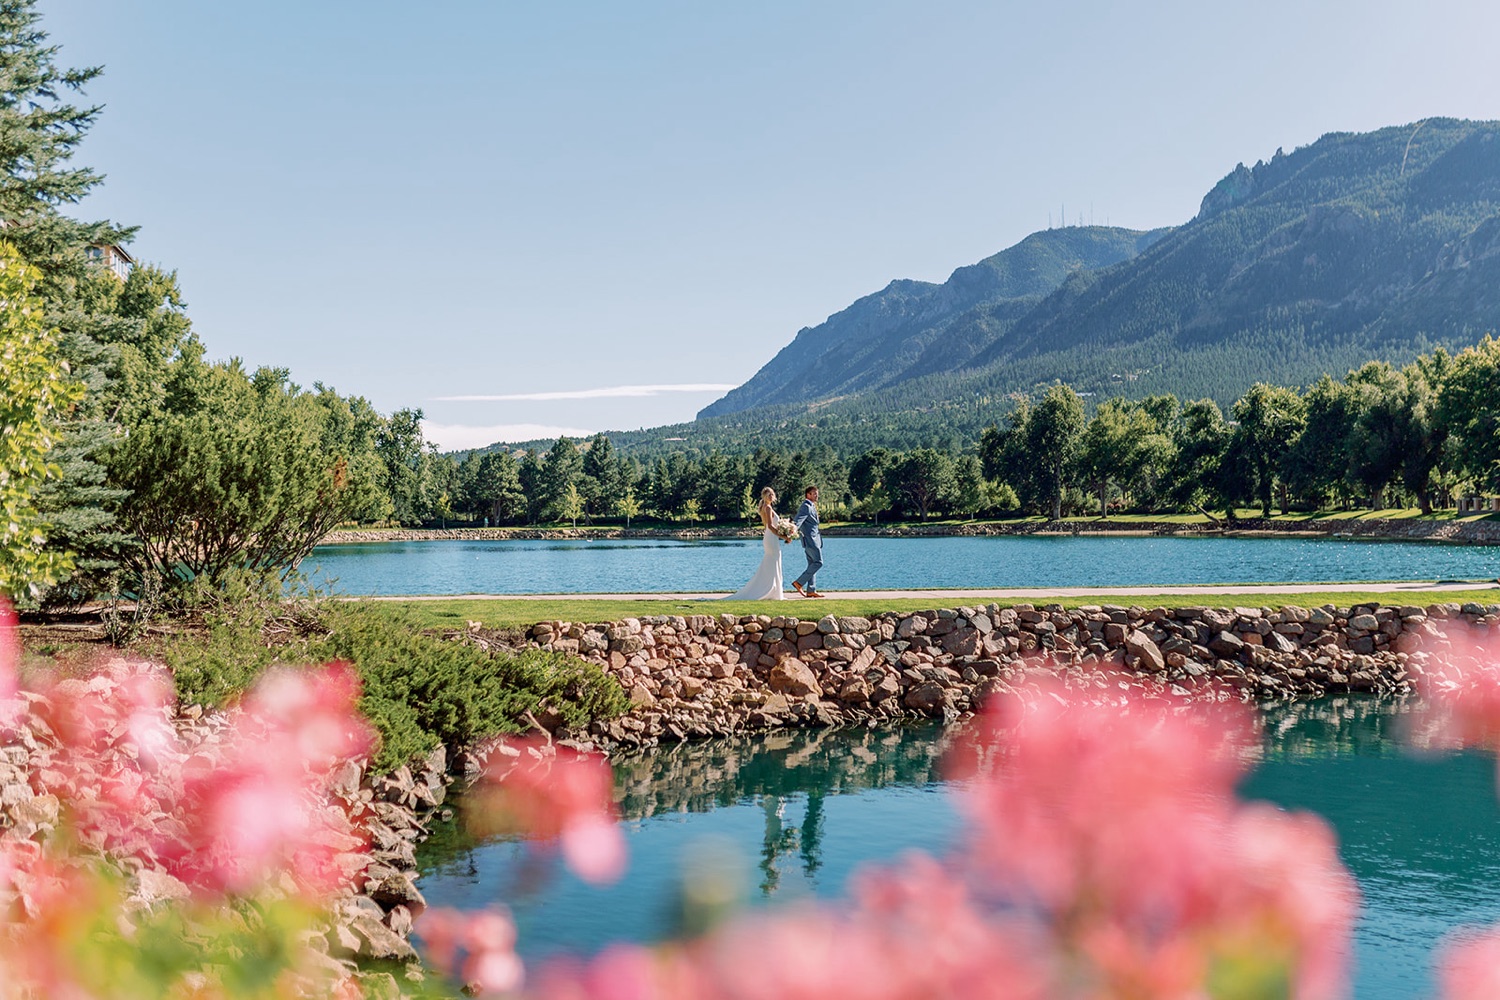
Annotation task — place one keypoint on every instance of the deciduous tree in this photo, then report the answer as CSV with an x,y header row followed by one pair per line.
x,y
1269,418
35,390
1054,435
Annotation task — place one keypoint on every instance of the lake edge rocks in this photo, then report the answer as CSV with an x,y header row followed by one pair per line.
x,y
698,676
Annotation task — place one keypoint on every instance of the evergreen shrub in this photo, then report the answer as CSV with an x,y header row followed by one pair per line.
x,y
420,691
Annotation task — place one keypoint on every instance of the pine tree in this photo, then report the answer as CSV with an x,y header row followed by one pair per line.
x,y
40,130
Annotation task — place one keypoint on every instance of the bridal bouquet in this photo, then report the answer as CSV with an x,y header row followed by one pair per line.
x,y
785,530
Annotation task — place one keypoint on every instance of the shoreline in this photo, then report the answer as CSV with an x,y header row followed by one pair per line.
x,y
1477,531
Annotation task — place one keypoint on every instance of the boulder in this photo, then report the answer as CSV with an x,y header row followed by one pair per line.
x,y
1139,644
855,692
792,677
374,940
1226,644
399,890
930,698
965,642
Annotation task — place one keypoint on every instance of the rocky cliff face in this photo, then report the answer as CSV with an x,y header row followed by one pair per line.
x,y
883,338
1357,247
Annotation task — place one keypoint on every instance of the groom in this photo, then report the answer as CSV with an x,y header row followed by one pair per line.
x,y
812,543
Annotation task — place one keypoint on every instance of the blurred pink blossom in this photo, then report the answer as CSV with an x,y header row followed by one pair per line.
x,y
487,941
10,659
1118,829
254,810
1469,968
554,793
1461,683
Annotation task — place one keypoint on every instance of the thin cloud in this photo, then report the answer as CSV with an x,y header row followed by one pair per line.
x,y
457,437
608,392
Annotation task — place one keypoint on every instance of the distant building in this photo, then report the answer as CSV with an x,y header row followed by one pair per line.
x,y
113,257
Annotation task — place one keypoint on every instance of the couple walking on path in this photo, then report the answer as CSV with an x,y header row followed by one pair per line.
x,y
765,585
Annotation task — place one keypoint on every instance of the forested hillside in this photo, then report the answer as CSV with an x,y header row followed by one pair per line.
x,y
912,328
1358,247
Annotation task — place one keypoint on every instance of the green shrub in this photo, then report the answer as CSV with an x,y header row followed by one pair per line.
x,y
420,691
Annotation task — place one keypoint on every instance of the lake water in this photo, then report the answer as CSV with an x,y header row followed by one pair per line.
x,y
798,812
646,565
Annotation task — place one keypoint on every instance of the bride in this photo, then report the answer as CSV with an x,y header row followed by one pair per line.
x,y
765,585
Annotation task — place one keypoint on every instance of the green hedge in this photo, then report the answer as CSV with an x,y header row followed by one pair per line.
x,y
420,691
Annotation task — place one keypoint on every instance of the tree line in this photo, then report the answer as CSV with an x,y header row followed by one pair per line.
x,y
1418,435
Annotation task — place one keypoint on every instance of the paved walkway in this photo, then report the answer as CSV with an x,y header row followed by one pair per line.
x,y
1416,588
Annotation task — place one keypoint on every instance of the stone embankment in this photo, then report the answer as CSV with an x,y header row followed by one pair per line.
x,y
701,675
1478,532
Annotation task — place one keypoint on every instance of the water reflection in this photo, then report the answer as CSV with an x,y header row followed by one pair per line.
x,y
779,773
802,810
700,776
1420,832
1337,726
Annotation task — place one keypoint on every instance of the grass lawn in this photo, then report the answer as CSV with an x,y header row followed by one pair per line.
x,y
502,613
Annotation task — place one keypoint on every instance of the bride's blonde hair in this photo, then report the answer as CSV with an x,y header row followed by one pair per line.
x,y
766,493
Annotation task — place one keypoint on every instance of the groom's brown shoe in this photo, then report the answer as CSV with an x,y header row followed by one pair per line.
x,y
798,588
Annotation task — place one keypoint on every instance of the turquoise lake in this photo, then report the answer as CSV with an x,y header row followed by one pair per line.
x,y
798,812
646,565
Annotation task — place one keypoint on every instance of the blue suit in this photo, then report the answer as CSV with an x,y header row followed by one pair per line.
x,y
812,542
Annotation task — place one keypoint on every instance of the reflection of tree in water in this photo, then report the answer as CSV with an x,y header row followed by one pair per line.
x,y
781,840
773,769
778,770
711,774
1344,724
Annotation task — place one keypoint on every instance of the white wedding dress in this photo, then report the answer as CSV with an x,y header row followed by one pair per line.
x,y
765,585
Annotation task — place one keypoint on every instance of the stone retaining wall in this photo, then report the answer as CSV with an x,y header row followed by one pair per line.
x,y
701,675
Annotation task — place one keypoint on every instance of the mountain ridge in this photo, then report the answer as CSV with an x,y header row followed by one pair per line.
x,y
1358,246
875,338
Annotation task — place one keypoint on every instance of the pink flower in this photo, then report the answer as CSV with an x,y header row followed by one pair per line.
x,y
487,940
1469,969
260,807
1462,685
556,794
10,658
1117,828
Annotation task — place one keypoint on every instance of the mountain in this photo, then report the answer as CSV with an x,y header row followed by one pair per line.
x,y
1358,246
911,328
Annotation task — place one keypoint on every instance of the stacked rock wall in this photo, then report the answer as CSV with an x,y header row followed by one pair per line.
x,y
701,675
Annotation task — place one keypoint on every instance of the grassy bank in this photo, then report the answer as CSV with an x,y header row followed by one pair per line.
x,y
503,613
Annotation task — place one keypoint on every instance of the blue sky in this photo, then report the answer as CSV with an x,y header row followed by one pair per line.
x,y
529,219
